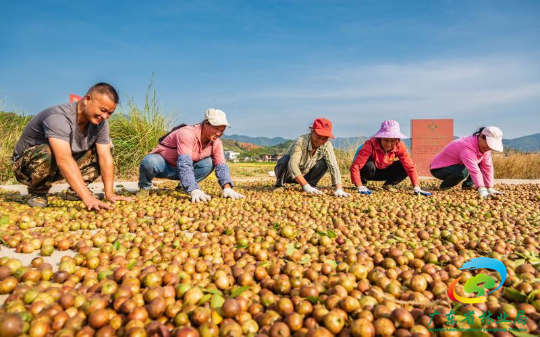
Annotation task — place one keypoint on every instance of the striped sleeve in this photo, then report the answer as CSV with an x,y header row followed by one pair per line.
x,y
333,166
296,157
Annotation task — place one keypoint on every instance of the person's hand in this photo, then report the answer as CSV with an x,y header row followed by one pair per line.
x,y
93,203
341,193
114,198
311,190
364,190
198,196
230,193
418,190
483,192
491,190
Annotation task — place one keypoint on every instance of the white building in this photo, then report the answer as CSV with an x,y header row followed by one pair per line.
x,y
231,155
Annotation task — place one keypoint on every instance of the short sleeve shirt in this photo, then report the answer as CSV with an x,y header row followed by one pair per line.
x,y
60,122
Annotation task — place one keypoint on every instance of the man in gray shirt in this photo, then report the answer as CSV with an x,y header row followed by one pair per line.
x,y
69,141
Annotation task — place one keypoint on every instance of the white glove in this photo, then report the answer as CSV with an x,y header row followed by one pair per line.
x,y
198,196
230,193
491,190
341,193
364,190
419,190
311,190
483,192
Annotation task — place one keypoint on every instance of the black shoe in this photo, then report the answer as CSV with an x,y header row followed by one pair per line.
x,y
38,200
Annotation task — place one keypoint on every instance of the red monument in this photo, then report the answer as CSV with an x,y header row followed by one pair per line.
x,y
429,137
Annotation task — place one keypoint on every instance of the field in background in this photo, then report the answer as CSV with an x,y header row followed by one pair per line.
x,y
517,165
135,131
251,170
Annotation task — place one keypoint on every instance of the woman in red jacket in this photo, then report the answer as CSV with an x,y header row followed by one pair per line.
x,y
384,158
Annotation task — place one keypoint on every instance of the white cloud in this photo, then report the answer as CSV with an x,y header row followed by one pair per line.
x,y
471,91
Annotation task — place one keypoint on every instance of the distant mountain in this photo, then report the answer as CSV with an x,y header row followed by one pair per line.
x,y
261,141
529,143
232,145
525,144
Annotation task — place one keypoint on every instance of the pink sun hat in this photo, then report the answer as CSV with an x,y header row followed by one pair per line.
x,y
389,129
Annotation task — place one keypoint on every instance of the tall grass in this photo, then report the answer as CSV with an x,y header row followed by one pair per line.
x,y
344,157
515,165
136,132
11,127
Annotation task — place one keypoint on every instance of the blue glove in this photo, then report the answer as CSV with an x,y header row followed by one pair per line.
x,y
418,190
364,190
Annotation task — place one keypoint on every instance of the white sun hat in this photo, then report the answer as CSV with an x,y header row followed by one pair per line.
x,y
493,138
216,117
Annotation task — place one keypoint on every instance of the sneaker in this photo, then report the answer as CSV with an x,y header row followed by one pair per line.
x,y
389,188
143,193
38,200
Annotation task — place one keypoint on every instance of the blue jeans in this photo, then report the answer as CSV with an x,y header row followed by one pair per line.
x,y
154,166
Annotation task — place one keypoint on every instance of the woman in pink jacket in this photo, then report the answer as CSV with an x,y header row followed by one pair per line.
x,y
468,159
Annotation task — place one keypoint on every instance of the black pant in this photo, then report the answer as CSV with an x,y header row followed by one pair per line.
x,y
283,175
453,175
392,175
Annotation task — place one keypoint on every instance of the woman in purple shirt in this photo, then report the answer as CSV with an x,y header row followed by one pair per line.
x,y
469,159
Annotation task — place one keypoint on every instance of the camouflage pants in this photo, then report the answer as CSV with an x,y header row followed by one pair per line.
x,y
37,168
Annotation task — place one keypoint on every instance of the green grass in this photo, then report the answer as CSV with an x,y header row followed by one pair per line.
x,y
251,170
11,127
135,132
256,164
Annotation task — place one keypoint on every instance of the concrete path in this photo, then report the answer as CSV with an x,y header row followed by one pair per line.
x,y
94,187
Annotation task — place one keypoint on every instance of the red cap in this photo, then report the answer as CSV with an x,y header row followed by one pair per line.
x,y
323,127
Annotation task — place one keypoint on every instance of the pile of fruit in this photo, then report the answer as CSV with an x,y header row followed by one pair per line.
x,y
272,264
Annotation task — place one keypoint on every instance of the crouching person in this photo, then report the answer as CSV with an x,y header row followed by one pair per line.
x,y
468,161
385,158
69,141
189,154
308,159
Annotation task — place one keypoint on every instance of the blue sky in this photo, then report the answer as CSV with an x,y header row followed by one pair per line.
x,y
274,66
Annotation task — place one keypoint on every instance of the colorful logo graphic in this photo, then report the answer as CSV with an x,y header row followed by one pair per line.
x,y
479,283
